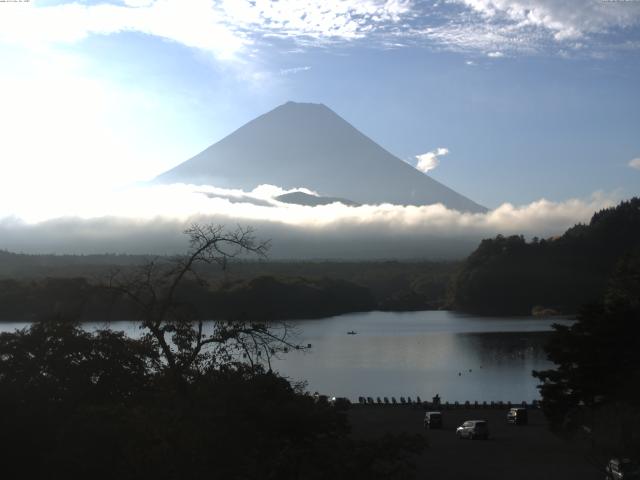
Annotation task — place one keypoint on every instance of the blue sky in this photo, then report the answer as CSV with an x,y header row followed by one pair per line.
x,y
506,100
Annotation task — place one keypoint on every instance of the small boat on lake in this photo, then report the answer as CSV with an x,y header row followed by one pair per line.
x,y
352,332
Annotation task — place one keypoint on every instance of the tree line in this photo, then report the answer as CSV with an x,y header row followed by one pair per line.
x,y
510,275
281,290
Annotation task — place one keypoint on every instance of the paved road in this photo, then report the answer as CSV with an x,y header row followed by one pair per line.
x,y
528,452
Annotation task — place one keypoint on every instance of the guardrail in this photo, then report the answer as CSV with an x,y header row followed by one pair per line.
x,y
418,403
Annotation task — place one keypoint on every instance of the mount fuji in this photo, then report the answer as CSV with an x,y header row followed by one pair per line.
x,y
308,145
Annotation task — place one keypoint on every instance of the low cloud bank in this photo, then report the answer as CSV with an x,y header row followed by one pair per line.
x,y
151,220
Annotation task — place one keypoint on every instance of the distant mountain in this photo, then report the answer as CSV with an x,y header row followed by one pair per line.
x,y
301,198
308,145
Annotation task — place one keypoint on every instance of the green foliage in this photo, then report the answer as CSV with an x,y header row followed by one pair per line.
x,y
507,275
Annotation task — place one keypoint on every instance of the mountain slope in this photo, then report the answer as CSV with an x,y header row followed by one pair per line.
x,y
301,198
308,145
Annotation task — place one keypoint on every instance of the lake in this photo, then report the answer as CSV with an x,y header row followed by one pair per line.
x,y
460,357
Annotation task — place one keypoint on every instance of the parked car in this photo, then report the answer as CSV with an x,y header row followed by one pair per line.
x,y
341,403
433,420
622,469
473,429
517,416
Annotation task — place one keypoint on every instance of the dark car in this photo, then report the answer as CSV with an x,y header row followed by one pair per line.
x,y
517,416
433,420
473,429
622,469
340,403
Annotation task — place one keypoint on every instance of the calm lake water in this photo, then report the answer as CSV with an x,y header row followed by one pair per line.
x,y
460,357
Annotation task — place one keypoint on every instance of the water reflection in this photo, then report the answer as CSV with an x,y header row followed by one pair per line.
x,y
461,357
421,353
504,348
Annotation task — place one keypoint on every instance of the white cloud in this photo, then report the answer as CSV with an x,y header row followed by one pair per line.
x,y
565,19
195,24
635,163
480,36
222,27
226,28
294,70
138,3
319,19
430,160
495,54
149,220
529,27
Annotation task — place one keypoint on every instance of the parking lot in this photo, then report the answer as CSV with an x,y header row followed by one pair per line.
x,y
512,451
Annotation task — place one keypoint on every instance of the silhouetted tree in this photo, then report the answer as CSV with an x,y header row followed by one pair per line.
x,y
597,368
79,405
176,327
180,402
53,373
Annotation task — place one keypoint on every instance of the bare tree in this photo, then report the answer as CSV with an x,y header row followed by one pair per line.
x,y
187,344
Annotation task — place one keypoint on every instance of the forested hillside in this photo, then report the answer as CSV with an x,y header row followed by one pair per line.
x,y
509,275
260,290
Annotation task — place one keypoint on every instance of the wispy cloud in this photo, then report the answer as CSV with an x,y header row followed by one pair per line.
x,y
471,34
564,19
430,160
635,163
319,19
526,27
294,70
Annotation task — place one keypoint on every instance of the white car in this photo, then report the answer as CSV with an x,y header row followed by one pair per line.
x,y
473,429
